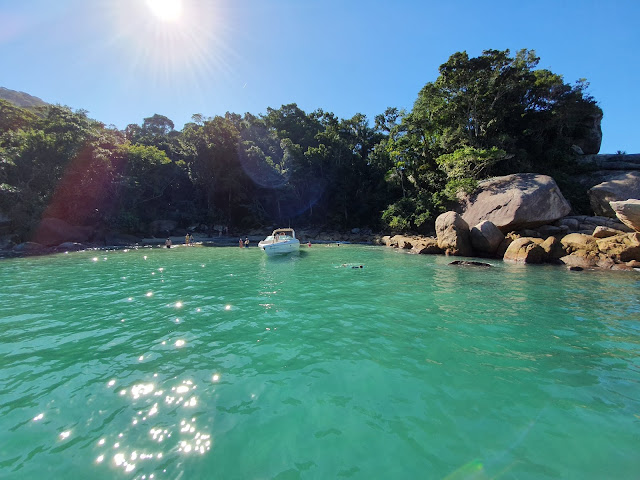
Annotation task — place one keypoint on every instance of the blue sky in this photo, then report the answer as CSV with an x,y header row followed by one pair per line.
x,y
122,63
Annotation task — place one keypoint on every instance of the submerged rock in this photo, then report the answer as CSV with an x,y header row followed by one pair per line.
x,y
466,263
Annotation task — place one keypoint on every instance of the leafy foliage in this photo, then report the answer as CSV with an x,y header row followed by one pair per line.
x,y
490,115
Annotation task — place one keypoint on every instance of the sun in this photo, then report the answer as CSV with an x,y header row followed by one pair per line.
x,y
166,10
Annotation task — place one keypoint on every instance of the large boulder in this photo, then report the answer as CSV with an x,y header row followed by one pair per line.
x,y
486,237
553,249
53,231
618,186
453,234
628,211
513,202
525,250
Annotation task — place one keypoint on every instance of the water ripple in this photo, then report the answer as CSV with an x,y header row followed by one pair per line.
x,y
201,363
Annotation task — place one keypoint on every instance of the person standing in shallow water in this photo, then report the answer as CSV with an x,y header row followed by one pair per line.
x,y
240,244
246,242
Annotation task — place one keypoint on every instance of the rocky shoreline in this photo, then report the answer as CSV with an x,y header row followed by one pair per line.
x,y
524,218
521,218
608,245
577,242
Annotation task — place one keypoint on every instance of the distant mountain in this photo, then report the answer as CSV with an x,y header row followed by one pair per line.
x,y
21,99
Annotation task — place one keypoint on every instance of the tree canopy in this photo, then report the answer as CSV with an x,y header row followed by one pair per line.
x,y
490,115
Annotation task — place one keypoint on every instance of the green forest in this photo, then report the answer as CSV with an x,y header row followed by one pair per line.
x,y
490,115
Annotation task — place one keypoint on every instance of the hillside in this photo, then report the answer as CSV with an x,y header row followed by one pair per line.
x,y
21,99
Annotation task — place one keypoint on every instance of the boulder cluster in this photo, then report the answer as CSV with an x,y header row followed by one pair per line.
x,y
525,218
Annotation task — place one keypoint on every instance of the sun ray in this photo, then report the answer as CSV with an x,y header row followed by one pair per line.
x,y
181,53
166,10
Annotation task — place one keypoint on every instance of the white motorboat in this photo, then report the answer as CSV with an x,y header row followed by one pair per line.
x,y
282,240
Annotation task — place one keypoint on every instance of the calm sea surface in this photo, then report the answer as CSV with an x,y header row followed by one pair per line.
x,y
221,363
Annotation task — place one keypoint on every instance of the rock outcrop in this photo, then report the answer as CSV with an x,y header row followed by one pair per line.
x,y
428,245
618,186
608,162
628,211
579,241
453,234
621,248
516,201
587,225
587,133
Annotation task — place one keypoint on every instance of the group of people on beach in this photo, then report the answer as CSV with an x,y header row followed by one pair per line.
x,y
244,244
188,240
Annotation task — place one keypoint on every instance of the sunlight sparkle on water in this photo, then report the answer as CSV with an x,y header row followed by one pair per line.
x,y
142,389
180,343
66,434
228,307
178,304
38,417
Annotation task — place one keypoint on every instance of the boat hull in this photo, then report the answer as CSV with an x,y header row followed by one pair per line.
x,y
279,248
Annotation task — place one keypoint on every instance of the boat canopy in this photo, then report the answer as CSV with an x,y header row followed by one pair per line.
x,y
284,231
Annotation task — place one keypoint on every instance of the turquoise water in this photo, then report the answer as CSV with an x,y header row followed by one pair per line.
x,y
222,363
